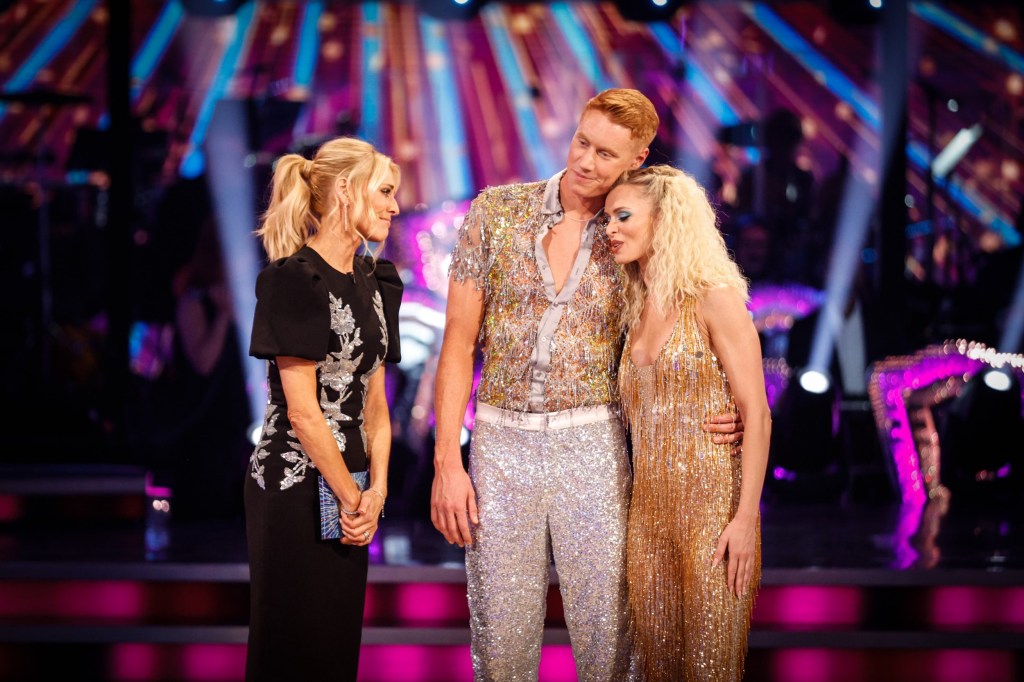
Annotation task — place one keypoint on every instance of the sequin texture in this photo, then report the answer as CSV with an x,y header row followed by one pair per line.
x,y
684,623
497,251
554,492
557,492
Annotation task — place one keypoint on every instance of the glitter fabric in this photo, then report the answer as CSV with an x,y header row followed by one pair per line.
x,y
560,492
684,623
543,351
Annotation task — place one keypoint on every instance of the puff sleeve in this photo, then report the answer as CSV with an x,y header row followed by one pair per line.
x,y
292,314
391,287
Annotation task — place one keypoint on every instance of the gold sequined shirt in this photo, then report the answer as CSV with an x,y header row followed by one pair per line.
x,y
543,350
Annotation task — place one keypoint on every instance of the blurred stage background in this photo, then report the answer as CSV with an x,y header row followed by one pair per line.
x,y
865,157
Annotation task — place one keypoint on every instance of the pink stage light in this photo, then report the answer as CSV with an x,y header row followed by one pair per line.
x,y
976,606
212,662
557,664
415,663
421,605
809,605
958,665
192,662
428,602
10,508
894,378
135,662
76,599
106,599
817,665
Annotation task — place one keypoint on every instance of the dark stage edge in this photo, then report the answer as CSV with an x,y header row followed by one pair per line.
x,y
873,576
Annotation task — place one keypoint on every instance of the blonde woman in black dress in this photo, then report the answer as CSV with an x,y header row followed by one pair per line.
x,y
326,321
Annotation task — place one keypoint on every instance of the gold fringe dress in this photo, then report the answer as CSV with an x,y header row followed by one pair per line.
x,y
684,623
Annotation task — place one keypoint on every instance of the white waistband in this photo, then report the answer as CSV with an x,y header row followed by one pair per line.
x,y
541,421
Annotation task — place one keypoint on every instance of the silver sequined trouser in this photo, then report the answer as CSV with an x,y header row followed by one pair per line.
x,y
561,492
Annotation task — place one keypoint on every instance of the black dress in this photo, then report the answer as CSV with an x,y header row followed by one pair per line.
x,y
307,595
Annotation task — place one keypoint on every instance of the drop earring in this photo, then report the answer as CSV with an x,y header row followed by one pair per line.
x,y
345,221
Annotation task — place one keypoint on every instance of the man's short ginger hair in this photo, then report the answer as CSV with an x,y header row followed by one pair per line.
x,y
629,109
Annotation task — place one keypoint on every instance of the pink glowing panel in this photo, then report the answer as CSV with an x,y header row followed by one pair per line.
x,y
557,664
977,606
775,306
134,662
894,378
101,599
818,665
851,665
415,663
193,662
417,604
212,662
10,508
959,665
809,605
426,242
906,555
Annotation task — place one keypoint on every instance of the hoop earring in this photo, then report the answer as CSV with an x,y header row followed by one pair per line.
x,y
344,223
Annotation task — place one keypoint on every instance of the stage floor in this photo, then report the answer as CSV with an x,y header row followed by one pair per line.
x,y
850,593
796,537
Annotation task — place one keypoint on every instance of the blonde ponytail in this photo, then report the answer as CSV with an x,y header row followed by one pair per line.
x,y
303,195
288,222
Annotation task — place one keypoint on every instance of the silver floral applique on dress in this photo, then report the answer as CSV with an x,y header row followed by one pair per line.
x,y
378,307
336,373
260,453
339,369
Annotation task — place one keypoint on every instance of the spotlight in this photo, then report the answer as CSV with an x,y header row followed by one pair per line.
x,y
255,432
648,10
803,460
814,381
997,380
451,9
980,432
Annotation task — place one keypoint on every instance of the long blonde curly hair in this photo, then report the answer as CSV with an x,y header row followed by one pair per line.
x,y
303,198
688,253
